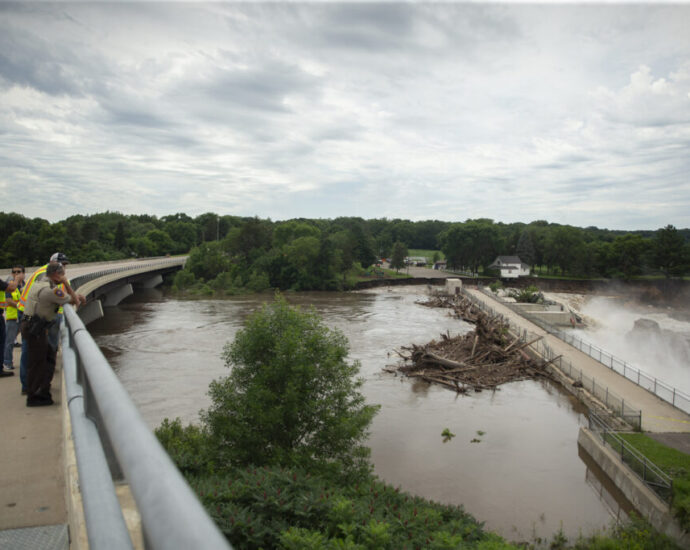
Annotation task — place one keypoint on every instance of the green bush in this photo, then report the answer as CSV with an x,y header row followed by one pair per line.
x,y
273,507
187,446
183,279
529,295
495,286
681,501
635,534
291,397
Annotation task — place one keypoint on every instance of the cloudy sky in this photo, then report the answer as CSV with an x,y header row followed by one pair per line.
x,y
575,114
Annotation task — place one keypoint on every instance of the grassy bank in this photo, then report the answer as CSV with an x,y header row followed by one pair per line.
x,y
673,463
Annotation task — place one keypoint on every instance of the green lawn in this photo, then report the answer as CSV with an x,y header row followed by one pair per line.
x,y
674,463
671,461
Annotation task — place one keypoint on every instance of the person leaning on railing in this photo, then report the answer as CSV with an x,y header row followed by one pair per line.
x,y
42,305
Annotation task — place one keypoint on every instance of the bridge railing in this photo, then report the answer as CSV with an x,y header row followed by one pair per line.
x,y
668,393
112,440
134,267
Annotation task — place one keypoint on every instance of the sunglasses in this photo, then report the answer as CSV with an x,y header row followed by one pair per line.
x,y
17,271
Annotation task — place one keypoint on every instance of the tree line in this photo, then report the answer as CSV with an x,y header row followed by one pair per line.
x,y
231,252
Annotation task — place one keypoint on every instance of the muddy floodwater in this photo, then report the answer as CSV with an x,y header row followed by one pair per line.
x,y
513,463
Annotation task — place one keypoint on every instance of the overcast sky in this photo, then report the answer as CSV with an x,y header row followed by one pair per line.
x,y
574,114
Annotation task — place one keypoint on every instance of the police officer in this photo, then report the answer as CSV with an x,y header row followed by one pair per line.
x,y
42,305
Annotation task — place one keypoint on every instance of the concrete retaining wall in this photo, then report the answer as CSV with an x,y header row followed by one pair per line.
x,y
645,501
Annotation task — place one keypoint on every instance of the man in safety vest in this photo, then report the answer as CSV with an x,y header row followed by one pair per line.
x,y
38,275
5,287
12,317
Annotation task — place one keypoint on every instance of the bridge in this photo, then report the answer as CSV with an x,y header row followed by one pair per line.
x,y
88,473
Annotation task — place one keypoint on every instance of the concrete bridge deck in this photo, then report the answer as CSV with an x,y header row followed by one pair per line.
x,y
32,470
657,415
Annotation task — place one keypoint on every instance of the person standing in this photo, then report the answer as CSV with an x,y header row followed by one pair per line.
x,y
12,316
5,287
42,304
54,336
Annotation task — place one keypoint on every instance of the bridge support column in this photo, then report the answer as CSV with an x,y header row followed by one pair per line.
x,y
115,296
90,312
152,282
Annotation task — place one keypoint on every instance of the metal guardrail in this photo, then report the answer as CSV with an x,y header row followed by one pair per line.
x,y
613,402
668,393
110,438
664,391
135,268
647,471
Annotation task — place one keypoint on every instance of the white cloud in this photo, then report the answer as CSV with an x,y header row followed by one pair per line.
x,y
574,114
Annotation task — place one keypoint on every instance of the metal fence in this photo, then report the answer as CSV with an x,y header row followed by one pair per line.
x,y
662,390
613,401
111,439
668,393
646,470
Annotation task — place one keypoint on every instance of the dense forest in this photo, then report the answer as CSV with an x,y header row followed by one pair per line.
x,y
232,253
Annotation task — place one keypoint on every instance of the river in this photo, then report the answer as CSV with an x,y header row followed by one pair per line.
x,y
513,464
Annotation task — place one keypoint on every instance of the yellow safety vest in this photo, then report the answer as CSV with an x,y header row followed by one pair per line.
x,y
12,313
29,284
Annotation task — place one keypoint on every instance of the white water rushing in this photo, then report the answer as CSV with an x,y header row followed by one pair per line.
x,y
660,348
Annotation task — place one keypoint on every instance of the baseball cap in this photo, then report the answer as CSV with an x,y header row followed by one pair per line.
x,y
59,257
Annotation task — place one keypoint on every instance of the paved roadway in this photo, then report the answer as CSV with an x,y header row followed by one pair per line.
x,y
657,415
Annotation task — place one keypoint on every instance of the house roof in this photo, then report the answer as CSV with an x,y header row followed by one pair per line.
x,y
506,262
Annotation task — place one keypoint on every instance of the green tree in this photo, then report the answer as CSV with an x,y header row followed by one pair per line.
x,y
628,252
291,397
564,248
207,260
162,242
669,254
525,248
398,257
471,244
120,238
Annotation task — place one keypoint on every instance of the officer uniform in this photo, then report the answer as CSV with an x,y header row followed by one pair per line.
x,y
42,304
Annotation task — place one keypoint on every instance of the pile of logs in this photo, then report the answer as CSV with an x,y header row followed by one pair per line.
x,y
482,359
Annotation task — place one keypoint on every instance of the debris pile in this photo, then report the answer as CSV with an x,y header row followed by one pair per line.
x,y
482,359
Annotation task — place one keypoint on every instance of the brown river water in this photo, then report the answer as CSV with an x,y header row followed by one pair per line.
x,y
524,477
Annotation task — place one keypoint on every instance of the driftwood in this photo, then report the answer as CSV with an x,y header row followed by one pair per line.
x,y
481,359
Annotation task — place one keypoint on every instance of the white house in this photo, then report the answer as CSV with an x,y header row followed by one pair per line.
x,y
511,267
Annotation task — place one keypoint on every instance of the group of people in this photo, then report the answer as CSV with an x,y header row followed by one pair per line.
x,y
33,308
